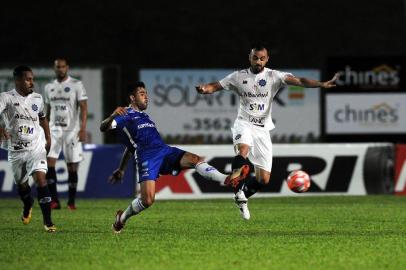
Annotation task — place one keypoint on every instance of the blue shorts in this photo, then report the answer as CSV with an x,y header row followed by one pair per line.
x,y
163,161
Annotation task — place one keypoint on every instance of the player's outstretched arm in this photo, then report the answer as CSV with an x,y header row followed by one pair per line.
x,y
106,123
309,83
208,88
118,174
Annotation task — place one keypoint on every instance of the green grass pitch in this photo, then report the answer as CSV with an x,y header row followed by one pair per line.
x,y
337,232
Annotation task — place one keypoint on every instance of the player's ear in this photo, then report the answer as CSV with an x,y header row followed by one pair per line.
x,y
132,98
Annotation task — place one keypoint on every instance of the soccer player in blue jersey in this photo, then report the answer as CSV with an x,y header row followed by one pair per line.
x,y
139,134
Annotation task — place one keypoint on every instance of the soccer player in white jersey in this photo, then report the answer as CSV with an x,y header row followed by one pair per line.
x,y
26,134
66,102
256,86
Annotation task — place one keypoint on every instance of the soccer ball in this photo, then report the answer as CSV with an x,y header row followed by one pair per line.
x,y
298,181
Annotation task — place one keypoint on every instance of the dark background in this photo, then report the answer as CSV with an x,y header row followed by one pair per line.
x,y
190,34
125,36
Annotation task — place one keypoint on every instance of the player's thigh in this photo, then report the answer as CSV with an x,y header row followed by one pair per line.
x,y
261,152
189,160
37,165
242,138
72,148
18,161
56,145
148,167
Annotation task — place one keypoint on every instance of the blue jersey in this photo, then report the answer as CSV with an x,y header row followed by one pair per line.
x,y
139,134
136,130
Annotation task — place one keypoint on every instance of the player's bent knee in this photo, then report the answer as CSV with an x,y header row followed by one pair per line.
x,y
264,181
147,202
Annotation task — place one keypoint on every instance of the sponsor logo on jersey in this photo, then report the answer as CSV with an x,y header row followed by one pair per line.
x,y
16,104
25,117
60,98
262,82
67,89
257,107
60,121
18,145
258,121
249,94
60,107
52,90
26,129
145,125
34,107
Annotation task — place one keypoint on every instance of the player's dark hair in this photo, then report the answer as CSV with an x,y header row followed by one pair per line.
x,y
62,59
259,47
134,87
19,71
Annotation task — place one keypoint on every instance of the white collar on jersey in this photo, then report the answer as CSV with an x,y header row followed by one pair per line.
x,y
252,73
18,94
65,81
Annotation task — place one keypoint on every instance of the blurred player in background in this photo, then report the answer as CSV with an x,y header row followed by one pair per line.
x,y
28,140
139,134
256,86
66,102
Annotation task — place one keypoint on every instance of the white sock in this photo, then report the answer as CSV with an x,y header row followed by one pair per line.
x,y
134,208
209,172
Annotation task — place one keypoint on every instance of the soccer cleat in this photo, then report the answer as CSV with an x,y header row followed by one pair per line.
x,y
71,206
55,204
50,228
26,217
238,175
117,226
242,203
27,213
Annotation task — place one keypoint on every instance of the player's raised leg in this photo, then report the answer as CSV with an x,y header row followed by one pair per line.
x,y
190,160
146,199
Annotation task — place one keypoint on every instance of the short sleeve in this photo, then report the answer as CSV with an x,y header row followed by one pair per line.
x,y
119,121
229,82
281,76
81,94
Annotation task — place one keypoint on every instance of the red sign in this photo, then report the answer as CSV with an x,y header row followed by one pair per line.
x,y
400,169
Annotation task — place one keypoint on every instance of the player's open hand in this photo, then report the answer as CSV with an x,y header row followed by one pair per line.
x,y
331,83
120,111
4,135
116,177
199,89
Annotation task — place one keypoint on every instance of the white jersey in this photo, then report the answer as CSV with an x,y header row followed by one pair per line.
x,y
256,92
63,99
21,117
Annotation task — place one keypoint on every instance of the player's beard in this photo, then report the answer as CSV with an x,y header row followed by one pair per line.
x,y
257,69
61,76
